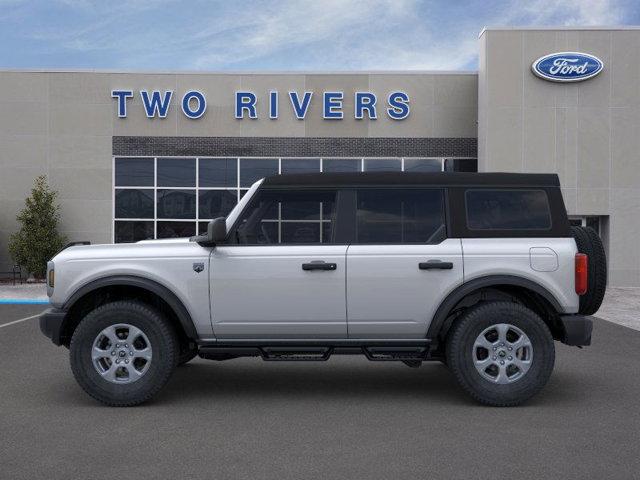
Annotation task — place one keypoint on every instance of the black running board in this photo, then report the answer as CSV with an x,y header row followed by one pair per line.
x,y
318,350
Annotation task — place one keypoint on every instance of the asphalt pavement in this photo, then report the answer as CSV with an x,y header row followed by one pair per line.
x,y
345,419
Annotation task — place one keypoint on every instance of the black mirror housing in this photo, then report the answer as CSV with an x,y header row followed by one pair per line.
x,y
217,230
216,233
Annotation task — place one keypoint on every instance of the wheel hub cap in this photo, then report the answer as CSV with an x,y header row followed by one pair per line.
x,y
121,353
502,353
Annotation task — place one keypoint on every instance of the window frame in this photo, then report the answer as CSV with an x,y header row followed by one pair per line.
x,y
231,238
560,227
445,212
504,189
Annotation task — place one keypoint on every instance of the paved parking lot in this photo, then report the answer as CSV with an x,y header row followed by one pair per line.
x,y
344,419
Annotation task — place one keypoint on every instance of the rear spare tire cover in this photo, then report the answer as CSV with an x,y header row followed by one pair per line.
x,y
589,243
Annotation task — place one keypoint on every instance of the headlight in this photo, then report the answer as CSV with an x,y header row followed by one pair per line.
x,y
51,278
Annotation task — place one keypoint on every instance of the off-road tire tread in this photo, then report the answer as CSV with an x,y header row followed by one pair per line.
x,y
186,355
589,243
462,372
170,351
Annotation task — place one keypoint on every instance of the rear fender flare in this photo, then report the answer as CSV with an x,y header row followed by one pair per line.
x,y
445,307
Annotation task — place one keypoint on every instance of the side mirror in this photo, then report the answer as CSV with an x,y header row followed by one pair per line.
x,y
216,233
217,230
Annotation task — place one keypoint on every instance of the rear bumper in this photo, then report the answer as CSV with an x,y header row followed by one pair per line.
x,y
576,330
51,321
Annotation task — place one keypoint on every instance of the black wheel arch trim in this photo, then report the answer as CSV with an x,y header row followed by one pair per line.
x,y
183,315
445,307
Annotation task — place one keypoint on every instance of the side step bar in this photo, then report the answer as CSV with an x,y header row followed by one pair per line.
x,y
382,354
280,351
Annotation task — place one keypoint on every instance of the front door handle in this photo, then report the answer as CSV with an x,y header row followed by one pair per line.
x,y
435,265
319,265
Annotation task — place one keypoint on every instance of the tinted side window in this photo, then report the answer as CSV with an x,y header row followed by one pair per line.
x,y
287,217
507,210
400,216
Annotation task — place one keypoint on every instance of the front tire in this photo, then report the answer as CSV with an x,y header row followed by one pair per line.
x,y
501,353
187,353
123,353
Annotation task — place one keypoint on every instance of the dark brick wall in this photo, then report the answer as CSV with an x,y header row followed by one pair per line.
x,y
295,146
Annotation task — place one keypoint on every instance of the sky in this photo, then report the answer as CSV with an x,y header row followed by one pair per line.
x,y
280,35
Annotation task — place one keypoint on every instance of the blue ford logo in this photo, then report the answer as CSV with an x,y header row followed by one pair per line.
x,y
567,66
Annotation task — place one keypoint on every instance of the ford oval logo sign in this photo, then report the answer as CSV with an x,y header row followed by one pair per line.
x,y
567,66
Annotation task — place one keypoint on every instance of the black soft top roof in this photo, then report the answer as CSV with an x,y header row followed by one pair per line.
x,y
415,178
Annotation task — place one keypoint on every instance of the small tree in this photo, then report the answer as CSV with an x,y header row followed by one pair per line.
x,y
38,239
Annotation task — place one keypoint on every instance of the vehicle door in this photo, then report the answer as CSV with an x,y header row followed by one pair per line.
x,y
401,264
281,274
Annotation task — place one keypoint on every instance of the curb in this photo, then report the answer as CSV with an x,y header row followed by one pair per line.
x,y
22,301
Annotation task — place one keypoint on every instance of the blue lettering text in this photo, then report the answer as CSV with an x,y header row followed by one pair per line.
x,y
246,101
398,105
156,105
200,100
122,96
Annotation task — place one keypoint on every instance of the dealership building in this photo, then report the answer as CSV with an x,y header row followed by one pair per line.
x,y
157,155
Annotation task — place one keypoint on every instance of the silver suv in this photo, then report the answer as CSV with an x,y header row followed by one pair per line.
x,y
481,271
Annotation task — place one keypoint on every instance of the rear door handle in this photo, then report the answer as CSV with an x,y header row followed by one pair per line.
x,y
319,265
435,265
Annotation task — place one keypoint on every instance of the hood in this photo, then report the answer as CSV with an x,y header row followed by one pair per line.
x,y
172,247
166,240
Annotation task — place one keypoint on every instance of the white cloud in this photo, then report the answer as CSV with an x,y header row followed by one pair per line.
x,y
291,25
570,12
383,35
299,34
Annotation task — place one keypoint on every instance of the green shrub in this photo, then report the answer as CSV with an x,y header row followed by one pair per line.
x,y
38,239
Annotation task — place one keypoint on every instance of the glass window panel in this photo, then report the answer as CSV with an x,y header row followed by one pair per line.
x,y
268,233
134,203
461,165
253,169
134,172
295,232
306,206
327,232
176,203
382,165
507,210
300,211
176,172
216,203
202,227
176,229
341,165
422,165
259,223
218,172
132,231
400,216
300,165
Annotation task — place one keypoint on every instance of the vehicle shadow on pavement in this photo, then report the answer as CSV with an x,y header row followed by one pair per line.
x,y
432,382
351,379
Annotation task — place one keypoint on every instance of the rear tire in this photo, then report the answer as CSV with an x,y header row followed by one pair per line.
x,y
589,243
503,376
123,331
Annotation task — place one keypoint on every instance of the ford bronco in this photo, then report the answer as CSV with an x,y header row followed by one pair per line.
x,y
481,271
